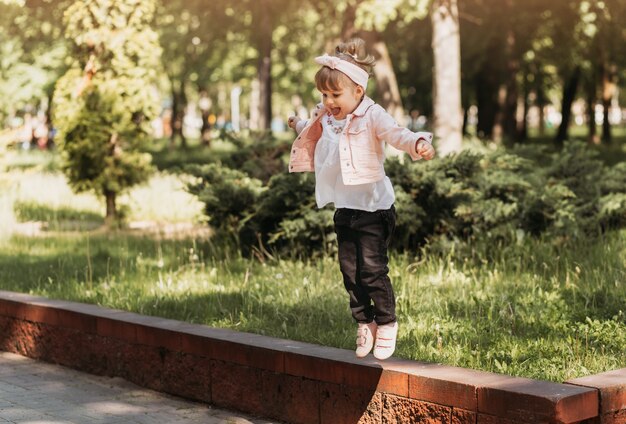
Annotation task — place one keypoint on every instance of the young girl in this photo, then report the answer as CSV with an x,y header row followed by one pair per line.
x,y
344,144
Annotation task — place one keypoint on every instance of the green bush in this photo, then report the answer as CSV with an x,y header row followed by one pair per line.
x,y
287,216
229,195
260,158
448,203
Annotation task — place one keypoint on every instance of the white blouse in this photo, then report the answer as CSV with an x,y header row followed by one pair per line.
x,y
329,186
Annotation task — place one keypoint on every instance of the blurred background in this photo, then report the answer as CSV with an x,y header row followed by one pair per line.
x,y
531,68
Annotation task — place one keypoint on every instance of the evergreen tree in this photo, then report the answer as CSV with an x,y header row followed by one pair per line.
x,y
104,104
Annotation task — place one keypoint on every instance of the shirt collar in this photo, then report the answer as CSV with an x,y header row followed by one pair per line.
x,y
363,106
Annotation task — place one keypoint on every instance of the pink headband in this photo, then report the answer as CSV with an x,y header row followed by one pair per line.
x,y
354,72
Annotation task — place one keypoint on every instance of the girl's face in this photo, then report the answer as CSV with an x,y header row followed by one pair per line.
x,y
344,101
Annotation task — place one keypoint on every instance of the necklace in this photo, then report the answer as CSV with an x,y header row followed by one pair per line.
x,y
334,125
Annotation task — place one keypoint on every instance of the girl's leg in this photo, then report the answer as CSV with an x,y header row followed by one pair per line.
x,y
363,239
349,252
374,231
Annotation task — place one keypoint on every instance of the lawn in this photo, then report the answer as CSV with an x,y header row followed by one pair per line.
x,y
532,310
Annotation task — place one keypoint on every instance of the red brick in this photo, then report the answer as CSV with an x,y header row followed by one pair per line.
x,y
341,404
232,347
75,320
441,384
461,416
186,375
252,356
236,387
27,340
442,392
8,331
92,354
314,367
490,419
340,366
395,383
404,410
158,337
196,345
46,314
39,314
143,365
525,399
616,417
9,308
290,399
117,328
611,386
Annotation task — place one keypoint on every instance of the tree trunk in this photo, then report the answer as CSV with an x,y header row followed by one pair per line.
x,y
447,73
509,119
179,104
606,125
569,94
487,83
608,91
592,136
540,102
348,26
387,91
522,133
265,30
486,101
111,212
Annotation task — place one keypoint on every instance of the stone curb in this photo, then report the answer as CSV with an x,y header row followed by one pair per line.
x,y
288,380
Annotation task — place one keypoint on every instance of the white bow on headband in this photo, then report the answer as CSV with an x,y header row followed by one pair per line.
x,y
354,72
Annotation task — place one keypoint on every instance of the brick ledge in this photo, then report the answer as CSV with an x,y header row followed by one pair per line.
x,y
299,382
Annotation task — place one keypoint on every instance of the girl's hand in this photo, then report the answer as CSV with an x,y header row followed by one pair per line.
x,y
425,149
292,122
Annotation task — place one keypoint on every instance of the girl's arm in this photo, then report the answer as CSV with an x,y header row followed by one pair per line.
x,y
299,124
296,123
387,129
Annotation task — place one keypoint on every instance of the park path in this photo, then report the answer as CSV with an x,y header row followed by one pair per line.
x,y
34,392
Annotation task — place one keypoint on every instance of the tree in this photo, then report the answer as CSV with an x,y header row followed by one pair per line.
x,y
193,36
32,54
567,34
258,19
103,105
447,76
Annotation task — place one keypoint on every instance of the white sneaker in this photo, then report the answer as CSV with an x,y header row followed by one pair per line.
x,y
386,340
365,335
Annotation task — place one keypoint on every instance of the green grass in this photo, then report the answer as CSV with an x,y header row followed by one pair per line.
x,y
80,219
555,317
529,310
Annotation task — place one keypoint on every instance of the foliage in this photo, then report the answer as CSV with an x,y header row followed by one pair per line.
x,y
103,113
32,55
504,197
229,195
447,204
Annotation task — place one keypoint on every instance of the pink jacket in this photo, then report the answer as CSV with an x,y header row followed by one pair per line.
x,y
361,144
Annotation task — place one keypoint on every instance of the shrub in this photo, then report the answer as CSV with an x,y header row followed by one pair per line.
x,y
229,195
448,203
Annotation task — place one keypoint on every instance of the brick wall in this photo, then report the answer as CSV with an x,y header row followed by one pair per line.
x,y
292,381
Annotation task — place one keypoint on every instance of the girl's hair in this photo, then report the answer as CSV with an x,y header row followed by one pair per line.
x,y
353,51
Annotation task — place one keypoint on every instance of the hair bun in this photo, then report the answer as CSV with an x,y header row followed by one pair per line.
x,y
354,51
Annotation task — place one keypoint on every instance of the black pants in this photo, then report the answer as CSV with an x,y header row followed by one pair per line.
x,y
363,239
